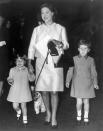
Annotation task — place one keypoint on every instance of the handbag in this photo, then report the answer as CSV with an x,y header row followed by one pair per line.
x,y
56,51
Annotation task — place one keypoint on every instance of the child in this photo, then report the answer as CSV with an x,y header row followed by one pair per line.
x,y
84,80
20,93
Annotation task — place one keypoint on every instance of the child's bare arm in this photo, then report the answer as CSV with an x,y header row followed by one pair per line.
x,y
10,78
94,74
69,76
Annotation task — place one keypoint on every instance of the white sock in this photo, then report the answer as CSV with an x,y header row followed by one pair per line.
x,y
19,113
86,114
24,118
79,115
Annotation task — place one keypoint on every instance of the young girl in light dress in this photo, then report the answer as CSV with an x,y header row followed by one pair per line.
x,y
20,93
84,80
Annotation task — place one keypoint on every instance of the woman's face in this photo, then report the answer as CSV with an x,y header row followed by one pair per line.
x,y
47,15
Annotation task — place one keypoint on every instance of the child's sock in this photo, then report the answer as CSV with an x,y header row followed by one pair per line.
x,y
25,120
79,115
86,116
18,113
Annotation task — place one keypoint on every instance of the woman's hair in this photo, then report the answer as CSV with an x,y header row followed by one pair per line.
x,y
84,42
50,7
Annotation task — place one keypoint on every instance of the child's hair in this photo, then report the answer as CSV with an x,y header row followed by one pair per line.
x,y
84,42
22,57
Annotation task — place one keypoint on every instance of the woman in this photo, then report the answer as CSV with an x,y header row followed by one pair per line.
x,y
4,56
50,80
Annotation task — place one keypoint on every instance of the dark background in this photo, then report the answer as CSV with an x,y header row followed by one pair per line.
x,y
82,19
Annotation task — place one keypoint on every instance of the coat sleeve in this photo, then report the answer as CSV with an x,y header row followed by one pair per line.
x,y
64,38
31,50
94,72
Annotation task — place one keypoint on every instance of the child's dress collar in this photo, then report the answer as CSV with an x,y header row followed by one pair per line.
x,y
83,57
20,69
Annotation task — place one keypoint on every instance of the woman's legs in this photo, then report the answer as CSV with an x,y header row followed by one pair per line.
x,y
46,100
54,105
86,109
24,111
79,108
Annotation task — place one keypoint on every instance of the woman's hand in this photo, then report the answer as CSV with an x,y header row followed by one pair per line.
x,y
30,67
59,44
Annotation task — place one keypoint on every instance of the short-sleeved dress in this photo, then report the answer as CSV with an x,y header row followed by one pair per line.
x,y
84,76
20,90
51,78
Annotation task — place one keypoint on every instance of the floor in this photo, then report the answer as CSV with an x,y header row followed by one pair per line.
x,y
66,116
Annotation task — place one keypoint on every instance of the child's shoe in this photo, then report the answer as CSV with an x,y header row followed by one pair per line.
x,y
78,121
25,121
18,114
86,121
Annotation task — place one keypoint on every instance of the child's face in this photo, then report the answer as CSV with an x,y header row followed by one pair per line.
x,y
20,62
83,50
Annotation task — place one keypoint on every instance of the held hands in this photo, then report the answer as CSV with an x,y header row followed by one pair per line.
x,y
31,72
30,69
96,87
32,88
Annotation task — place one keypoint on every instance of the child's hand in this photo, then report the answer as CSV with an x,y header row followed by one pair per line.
x,y
96,87
10,81
67,84
32,88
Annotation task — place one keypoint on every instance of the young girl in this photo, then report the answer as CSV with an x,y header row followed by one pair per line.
x,y
19,93
84,80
